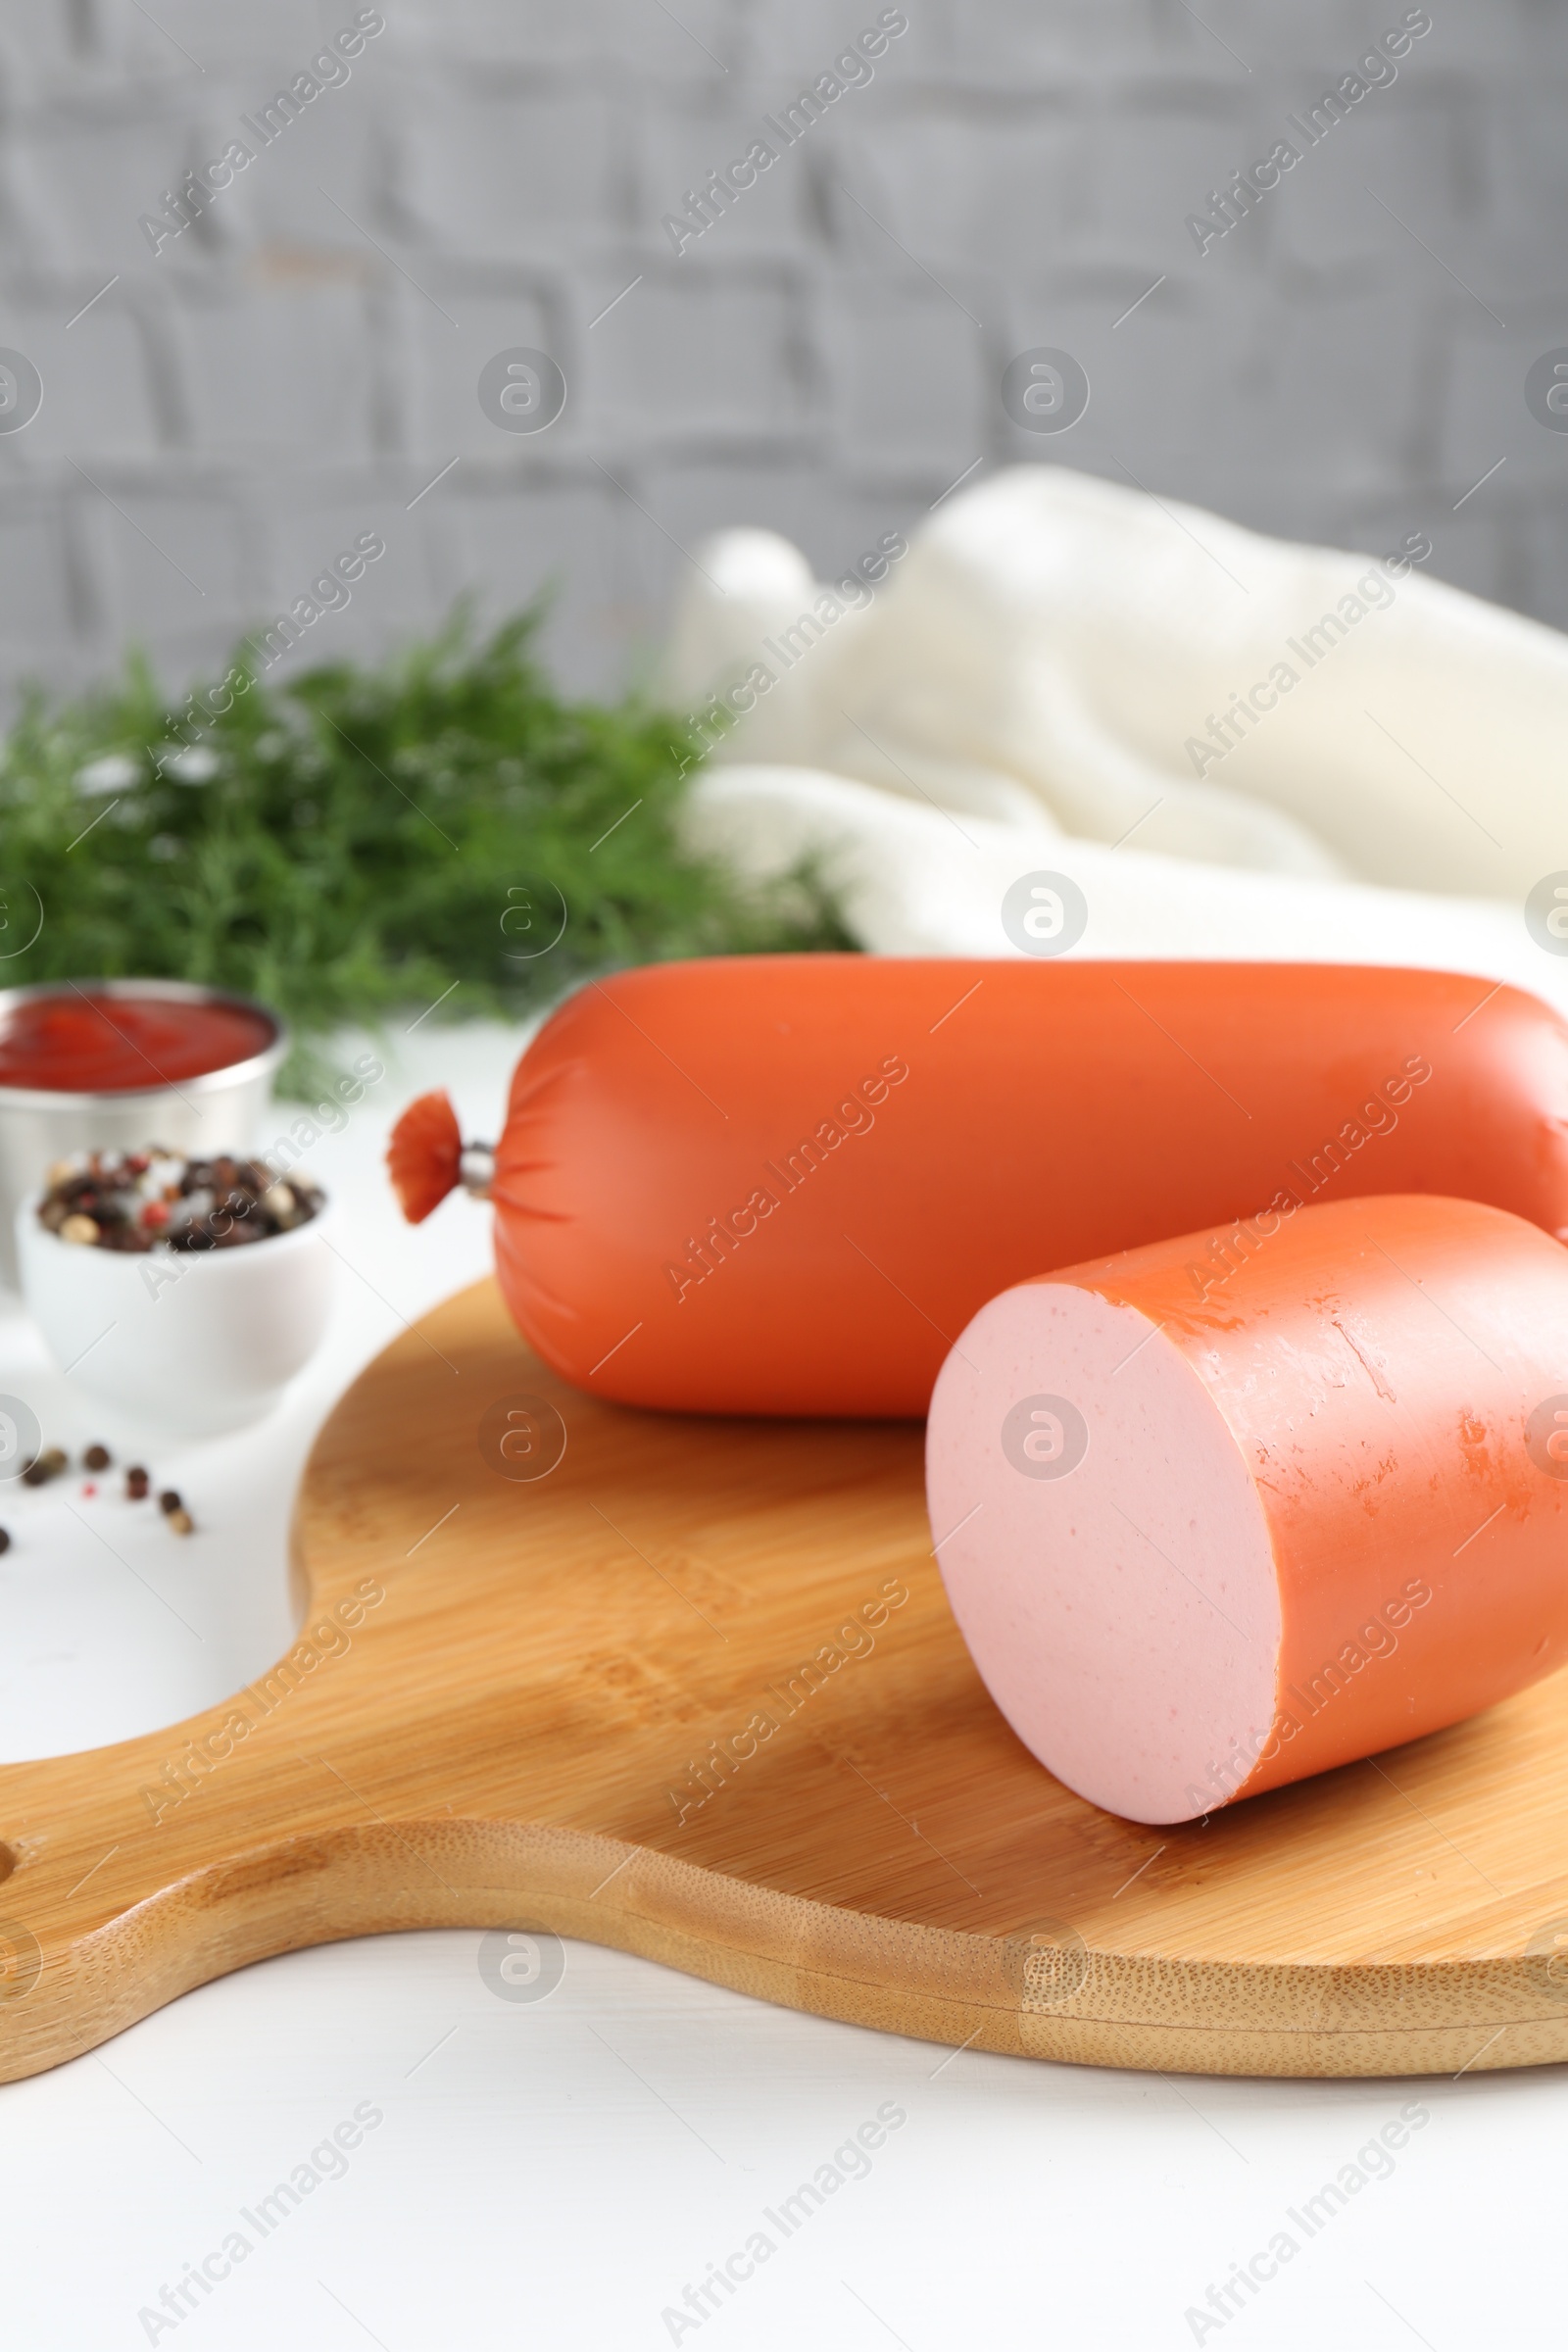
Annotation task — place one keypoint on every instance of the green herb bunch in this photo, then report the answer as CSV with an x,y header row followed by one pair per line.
x,y
360,840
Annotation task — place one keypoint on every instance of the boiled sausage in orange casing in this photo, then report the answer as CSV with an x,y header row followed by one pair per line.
x,y
784,1184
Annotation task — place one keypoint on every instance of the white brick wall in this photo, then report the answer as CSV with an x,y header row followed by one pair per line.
x,y
826,359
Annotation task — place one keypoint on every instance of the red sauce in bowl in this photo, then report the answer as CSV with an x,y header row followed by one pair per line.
x,y
81,1043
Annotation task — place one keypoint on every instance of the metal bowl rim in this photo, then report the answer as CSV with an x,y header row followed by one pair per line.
x,y
180,992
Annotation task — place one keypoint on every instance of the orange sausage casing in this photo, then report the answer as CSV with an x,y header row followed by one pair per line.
x,y
1202,1546
784,1184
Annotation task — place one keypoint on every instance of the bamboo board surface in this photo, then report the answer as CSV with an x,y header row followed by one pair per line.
x,y
667,1698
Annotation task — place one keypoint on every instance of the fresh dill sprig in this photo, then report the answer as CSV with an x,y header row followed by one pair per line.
x,y
361,839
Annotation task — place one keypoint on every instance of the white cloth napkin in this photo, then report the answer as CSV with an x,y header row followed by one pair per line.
x,y
1234,747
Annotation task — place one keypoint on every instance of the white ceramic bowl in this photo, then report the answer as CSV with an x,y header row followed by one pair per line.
x,y
187,1342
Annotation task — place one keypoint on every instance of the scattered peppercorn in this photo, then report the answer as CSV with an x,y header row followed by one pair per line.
x,y
136,1485
5,1540
169,1501
48,1465
181,1522
97,1457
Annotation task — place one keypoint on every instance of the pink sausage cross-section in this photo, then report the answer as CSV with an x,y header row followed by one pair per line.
x,y
1229,1509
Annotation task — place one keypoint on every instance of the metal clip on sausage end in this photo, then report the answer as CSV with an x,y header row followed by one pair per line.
x,y
427,1157
476,1169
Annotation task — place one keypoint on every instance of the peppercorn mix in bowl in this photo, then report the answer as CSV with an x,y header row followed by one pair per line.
x,y
182,1293
138,1201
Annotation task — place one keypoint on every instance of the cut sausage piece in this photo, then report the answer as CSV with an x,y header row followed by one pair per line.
x,y
1206,1533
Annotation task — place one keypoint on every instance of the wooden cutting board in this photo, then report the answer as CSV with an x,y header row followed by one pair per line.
x,y
695,1692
